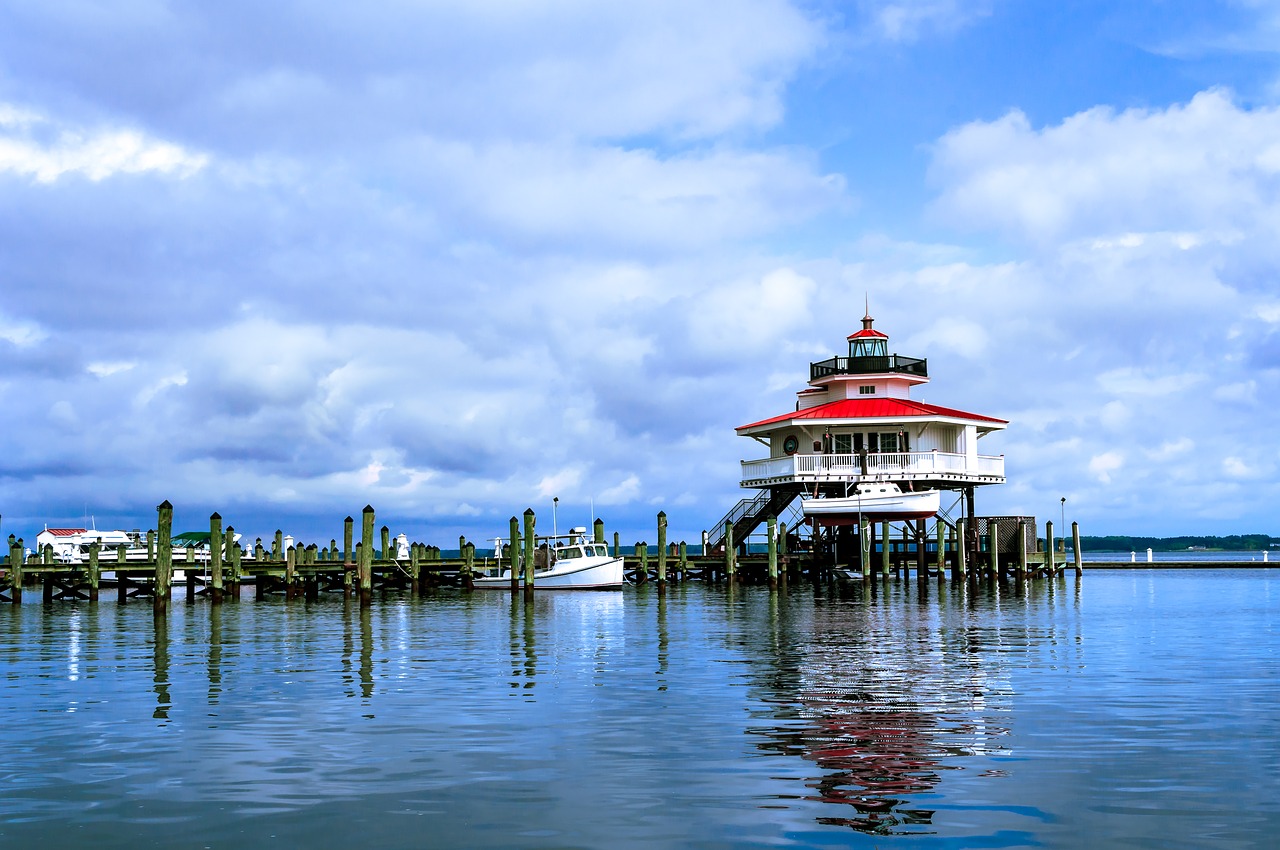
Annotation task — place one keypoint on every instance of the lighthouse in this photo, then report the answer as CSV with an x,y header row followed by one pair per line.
x,y
857,446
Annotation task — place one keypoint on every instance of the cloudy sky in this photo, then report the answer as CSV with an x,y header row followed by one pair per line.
x,y
454,260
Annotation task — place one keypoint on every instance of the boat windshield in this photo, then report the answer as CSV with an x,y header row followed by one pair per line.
x,y
570,552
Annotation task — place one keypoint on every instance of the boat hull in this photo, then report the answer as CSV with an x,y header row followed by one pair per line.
x,y
876,508
603,574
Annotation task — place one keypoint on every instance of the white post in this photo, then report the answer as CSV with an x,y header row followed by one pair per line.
x,y
1133,557
1148,555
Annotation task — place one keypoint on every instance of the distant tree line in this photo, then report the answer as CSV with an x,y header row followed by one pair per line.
x,y
1231,543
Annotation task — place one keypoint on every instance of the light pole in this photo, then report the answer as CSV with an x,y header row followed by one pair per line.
x,y
1063,528
555,504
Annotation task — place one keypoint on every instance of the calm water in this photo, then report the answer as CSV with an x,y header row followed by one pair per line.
x,y
1134,709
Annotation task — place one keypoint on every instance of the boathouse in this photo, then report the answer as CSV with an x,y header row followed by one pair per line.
x,y
855,423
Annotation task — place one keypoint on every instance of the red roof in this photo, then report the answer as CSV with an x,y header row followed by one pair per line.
x,y
64,532
872,408
868,332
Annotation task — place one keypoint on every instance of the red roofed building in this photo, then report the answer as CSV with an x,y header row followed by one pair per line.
x,y
856,423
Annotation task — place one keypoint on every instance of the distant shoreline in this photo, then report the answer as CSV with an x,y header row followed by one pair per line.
x,y
1177,565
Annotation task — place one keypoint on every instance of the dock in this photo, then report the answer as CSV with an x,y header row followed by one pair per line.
x,y
360,568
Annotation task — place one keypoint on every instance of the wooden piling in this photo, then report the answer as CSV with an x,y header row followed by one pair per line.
x,y
940,533
513,553
15,571
993,542
1048,548
151,545
662,547
164,558
953,535
235,562
215,556
122,578
290,570
864,547
962,530
884,550
598,529
415,568
684,561
730,551
366,556
1022,548
530,524
771,526
1075,546
95,572
346,540
468,564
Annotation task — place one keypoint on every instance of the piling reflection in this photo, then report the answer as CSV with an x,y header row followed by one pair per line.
x,y
214,663
663,639
523,642
160,668
366,654
885,692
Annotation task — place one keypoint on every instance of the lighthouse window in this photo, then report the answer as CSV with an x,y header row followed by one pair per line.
x,y
888,442
844,444
867,390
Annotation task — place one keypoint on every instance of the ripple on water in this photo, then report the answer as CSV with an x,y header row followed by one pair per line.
x,y
706,716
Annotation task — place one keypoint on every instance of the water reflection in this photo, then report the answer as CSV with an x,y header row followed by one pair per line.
x,y
214,663
884,691
160,668
366,654
523,642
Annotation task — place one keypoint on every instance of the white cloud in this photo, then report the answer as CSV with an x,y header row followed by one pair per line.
x,y
559,483
1241,392
1102,465
627,490
908,20
1132,381
1172,448
620,196
1208,166
21,333
964,337
1115,414
103,369
150,391
97,154
1235,467
743,316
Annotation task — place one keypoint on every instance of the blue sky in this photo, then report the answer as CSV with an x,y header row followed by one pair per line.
x,y
284,261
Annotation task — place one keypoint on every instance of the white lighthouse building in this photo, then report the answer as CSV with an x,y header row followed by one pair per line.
x,y
856,436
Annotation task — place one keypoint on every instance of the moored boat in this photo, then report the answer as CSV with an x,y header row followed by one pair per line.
x,y
876,501
564,562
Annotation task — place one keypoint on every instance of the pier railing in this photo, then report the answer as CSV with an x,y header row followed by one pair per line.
x,y
880,465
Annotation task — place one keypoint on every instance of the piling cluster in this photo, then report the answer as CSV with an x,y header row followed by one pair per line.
x,y
359,568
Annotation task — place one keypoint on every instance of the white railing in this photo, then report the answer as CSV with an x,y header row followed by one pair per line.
x,y
817,467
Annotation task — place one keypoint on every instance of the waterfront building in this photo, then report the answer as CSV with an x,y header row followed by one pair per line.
x,y
856,423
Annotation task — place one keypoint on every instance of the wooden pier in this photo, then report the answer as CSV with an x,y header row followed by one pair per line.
x,y
359,568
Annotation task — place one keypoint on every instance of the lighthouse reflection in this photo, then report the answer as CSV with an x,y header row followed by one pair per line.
x,y
882,704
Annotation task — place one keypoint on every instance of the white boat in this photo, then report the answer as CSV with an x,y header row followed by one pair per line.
x,y
878,501
567,562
